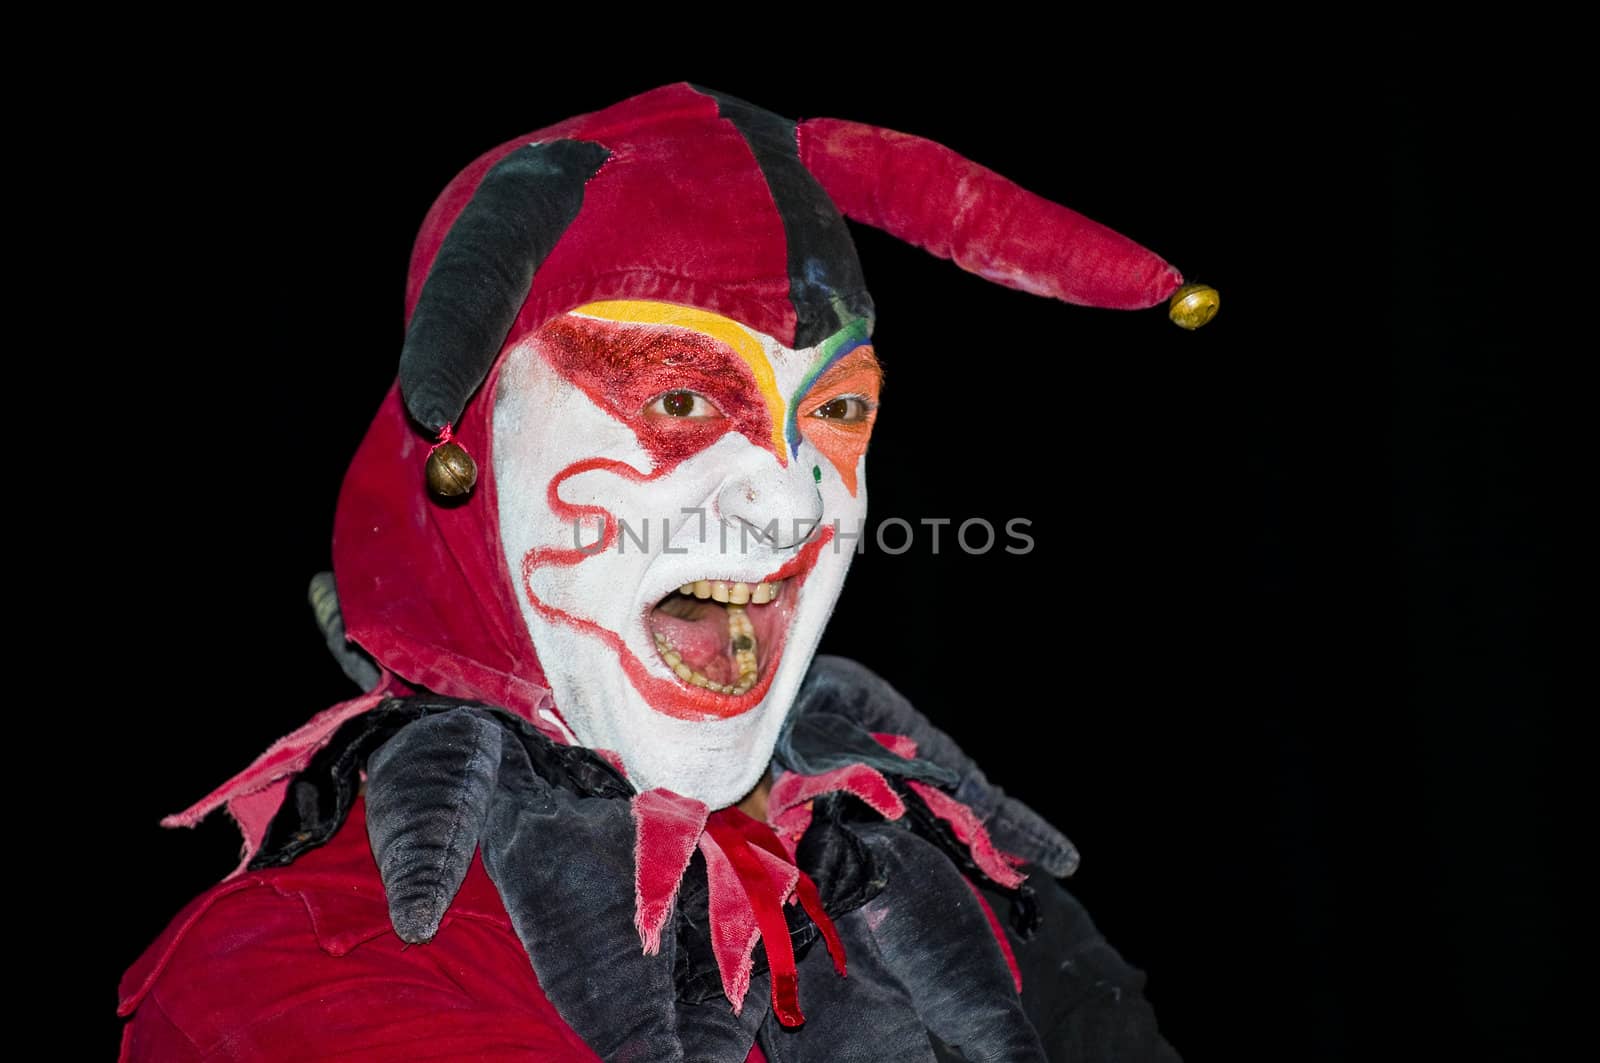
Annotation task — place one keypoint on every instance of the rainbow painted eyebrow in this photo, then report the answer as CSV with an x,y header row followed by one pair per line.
x,y
855,360
829,353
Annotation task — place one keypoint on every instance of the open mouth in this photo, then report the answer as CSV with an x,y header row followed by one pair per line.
x,y
722,636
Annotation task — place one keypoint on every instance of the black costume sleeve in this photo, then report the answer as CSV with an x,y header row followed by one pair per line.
x,y
1083,998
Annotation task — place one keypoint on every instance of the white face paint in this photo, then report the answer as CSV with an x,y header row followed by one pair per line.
x,y
695,453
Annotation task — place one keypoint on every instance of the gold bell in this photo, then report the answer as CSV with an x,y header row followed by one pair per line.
x,y
1193,305
451,471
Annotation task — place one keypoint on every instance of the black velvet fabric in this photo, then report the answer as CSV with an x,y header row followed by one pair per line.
x,y
1084,1000
353,661
842,687
320,797
826,285
816,740
926,979
866,1017
563,864
429,790
930,930
483,272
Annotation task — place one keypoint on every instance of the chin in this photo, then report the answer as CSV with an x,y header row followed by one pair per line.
x,y
710,663
715,761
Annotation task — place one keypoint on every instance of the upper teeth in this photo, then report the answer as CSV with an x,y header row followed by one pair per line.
x,y
734,593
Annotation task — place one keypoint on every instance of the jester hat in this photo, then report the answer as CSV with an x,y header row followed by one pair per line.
x,y
680,195
690,196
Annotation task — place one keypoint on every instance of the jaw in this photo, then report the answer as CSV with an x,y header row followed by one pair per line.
x,y
675,733
713,760
708,646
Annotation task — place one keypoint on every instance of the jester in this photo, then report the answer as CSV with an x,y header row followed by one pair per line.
x,y
600,798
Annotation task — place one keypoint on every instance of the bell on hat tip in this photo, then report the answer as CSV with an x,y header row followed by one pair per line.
x,y
1193,305
451,471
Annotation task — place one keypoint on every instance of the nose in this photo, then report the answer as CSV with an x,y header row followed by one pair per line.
x,y
776,507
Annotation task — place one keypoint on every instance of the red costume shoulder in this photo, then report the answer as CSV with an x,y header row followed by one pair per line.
x,y
300,962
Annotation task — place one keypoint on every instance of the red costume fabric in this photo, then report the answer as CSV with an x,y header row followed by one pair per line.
x,y
301,961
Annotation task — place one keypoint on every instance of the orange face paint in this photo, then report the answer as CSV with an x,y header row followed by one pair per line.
x,y
843,442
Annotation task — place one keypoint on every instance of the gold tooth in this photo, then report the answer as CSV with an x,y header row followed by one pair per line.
x,y
740,628
739,625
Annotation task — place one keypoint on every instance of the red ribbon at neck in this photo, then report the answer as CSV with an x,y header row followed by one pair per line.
x,y
755,853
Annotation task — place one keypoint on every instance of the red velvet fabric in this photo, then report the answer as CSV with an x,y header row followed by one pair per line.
x,y
734,927
789,804
967,827
425,587
766,882
679,213
300,962
970,831
927,195
254,796
667,828
999,934
304,955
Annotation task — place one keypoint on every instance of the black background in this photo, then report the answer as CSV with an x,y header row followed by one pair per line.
x,y
1277,662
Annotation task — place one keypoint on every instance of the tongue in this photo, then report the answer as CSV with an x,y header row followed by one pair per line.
x,y
701,641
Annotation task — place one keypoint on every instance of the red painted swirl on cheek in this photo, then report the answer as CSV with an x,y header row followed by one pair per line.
x,y
623,368
662,695
567,556
575,512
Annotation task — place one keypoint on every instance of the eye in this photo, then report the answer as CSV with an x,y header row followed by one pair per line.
x,y
846,409
686,405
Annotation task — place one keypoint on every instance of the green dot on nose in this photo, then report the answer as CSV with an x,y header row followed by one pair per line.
x,y
816,473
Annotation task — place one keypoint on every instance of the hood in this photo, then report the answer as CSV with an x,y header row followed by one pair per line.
x,y
680,195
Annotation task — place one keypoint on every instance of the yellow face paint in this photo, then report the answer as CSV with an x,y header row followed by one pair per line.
x,y
724,329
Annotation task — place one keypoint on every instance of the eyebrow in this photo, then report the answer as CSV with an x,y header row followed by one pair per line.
x,y
724,332
857,359
646,344
682,345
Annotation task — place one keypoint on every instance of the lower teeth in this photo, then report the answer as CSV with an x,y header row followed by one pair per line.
x,y
742,634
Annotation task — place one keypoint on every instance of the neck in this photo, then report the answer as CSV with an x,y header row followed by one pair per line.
x,y
754,803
